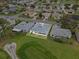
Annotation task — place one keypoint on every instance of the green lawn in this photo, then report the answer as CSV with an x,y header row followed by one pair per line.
x,y
3,55
35,48
29,47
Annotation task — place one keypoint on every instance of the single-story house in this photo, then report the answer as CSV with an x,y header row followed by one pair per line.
x,y
58,32
23,26
12,8
10,19
41,29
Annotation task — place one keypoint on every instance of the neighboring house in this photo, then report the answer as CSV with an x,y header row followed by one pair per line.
x,y
10,19
58,32
12,8
41,29
23,26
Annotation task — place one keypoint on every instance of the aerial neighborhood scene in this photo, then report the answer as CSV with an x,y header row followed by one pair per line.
x,y
39,29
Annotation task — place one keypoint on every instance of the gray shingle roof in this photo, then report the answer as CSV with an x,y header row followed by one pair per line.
x,y
60,32
23,26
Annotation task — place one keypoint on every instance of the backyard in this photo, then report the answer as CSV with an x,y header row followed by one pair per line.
x,y
29,47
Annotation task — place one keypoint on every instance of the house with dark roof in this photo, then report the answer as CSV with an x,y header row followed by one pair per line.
x,y
58,32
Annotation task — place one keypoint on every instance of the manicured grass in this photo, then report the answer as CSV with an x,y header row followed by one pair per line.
x,y
59,50
3,55
33,50
37,48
